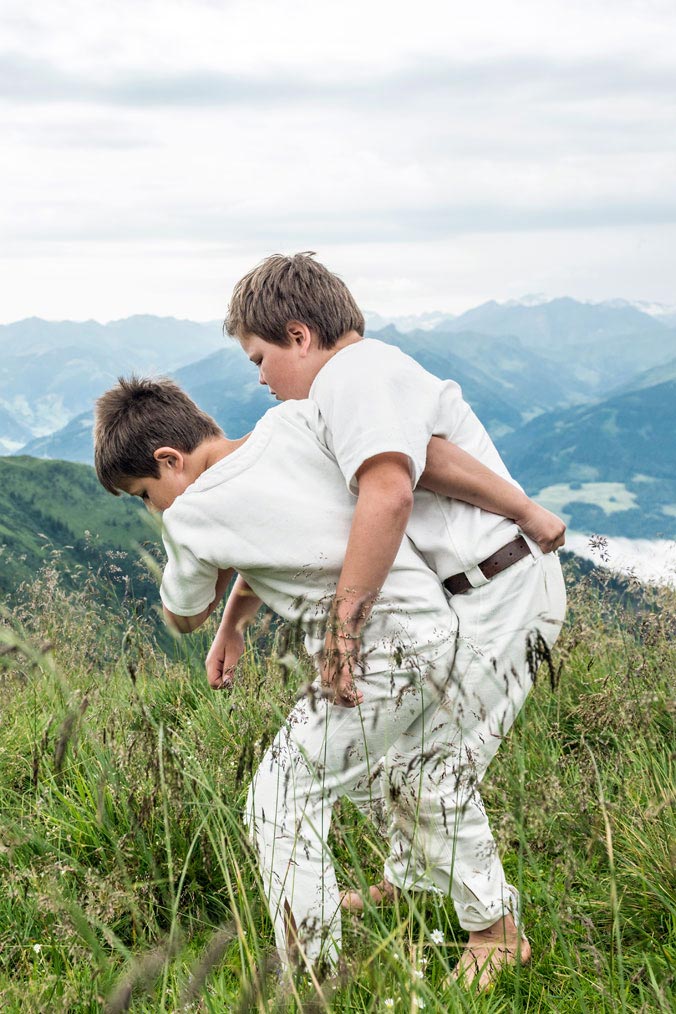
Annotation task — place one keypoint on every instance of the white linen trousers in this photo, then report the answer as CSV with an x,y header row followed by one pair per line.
x,y
504,628
422,737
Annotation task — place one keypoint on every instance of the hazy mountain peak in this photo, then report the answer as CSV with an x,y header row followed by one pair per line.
x,y
409,322
652,308
531,299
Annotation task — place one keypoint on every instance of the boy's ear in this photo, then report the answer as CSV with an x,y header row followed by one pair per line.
x,y
170,457
300,335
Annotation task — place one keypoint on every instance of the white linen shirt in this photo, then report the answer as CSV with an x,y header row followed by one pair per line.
x,y
277,510
373,399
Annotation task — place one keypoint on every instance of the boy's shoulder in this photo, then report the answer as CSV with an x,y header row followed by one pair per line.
x,y
302,412
369,358
373,348
373,365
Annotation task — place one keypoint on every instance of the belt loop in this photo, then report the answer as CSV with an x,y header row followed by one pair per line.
x,y
476,577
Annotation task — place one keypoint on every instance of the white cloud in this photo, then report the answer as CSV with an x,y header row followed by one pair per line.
x,y
209,133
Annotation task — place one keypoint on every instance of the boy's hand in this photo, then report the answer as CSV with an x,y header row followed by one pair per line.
x,y
542,527
341,661
224,654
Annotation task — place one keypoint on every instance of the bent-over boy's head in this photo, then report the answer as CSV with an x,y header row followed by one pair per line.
x,y
282,289
137,423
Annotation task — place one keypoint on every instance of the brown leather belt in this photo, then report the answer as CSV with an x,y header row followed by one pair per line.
x,y
495,564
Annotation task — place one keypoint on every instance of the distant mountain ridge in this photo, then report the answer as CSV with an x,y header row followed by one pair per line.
x,y
52,371
563,320
425,321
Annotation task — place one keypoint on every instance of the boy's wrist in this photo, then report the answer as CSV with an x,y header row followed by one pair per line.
x,y
524,511
231,631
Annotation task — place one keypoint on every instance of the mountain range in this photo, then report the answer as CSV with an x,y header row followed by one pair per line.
x,y
51,371
579,397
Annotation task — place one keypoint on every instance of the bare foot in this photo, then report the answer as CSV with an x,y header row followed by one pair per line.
x,y
383,893
488,952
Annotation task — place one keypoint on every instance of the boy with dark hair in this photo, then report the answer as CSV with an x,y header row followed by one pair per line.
x,y
384,417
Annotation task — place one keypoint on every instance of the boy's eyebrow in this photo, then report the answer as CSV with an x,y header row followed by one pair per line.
x,y
137,492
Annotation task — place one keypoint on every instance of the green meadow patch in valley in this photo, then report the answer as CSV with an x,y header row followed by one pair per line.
x,y
611,497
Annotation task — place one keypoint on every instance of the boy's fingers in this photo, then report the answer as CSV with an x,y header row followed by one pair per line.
x,y
347,694
214,674
224,683
341,690
219,675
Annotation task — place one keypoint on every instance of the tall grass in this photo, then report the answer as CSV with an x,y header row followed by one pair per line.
x,y
128,883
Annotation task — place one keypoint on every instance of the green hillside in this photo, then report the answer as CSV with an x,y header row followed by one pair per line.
x,y
59,506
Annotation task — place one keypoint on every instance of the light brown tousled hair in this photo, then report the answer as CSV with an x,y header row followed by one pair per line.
x,y
136,417
281,289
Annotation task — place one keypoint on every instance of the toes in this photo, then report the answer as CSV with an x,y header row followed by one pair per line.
x,y
379,894
352,901
481,964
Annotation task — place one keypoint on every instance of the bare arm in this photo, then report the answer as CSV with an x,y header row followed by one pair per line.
x,y
186,624
383,508
452,472
228,644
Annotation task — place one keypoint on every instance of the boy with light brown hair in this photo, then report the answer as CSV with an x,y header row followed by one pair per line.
x,y
391,425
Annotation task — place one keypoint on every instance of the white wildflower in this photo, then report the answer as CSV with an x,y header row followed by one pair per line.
x,y
437,937
389,1003
418,972
37,948
419,1002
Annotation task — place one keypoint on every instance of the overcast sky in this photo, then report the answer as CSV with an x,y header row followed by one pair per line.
x,y
435,153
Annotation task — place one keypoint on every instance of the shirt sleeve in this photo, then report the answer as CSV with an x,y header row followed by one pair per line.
x,y
375,403
188,583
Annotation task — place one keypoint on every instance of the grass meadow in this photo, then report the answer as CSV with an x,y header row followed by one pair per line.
x,y
127,882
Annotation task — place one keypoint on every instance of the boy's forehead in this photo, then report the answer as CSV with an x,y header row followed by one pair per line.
x,y
253,343
249,338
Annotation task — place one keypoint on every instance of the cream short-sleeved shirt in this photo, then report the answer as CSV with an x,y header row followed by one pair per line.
x,y
373,398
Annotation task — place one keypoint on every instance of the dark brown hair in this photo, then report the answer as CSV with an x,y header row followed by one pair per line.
x,y
281,289
136,417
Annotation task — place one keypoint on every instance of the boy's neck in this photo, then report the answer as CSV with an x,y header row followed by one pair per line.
x,y
209,452
350,338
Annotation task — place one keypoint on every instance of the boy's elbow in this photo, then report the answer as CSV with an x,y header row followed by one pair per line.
x,y
400,501
405,499
385,480
183,624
